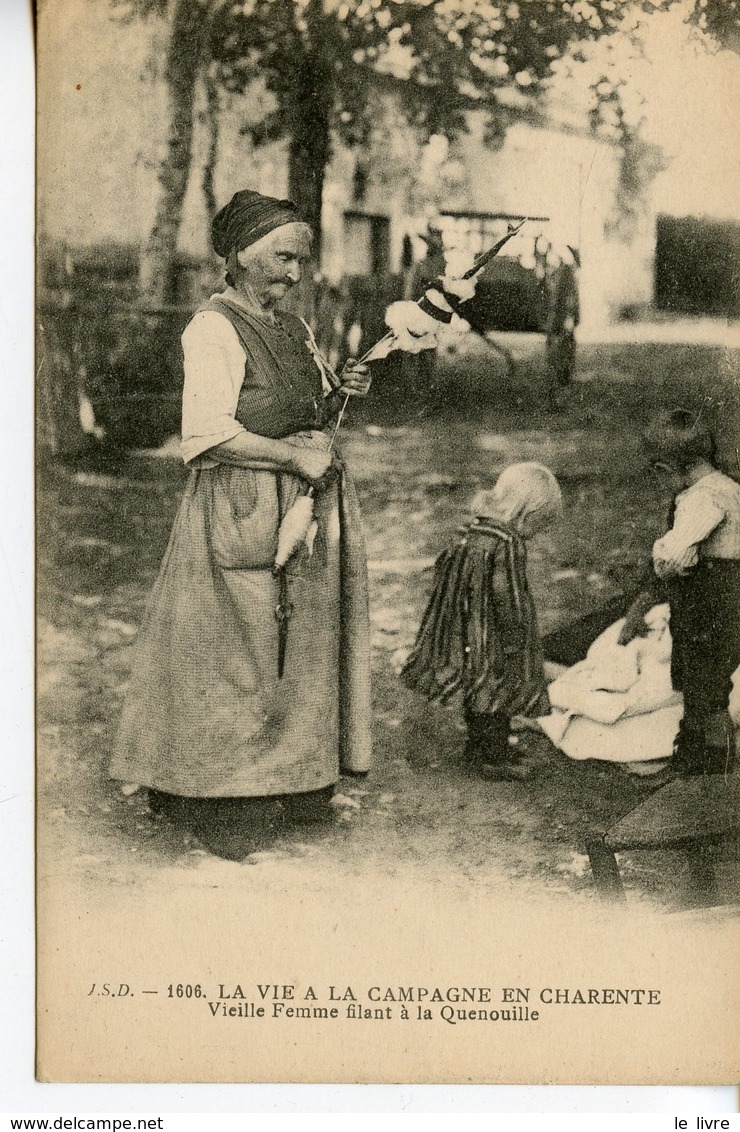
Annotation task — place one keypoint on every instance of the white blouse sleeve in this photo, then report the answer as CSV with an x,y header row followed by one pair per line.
x,y
214,373
697,515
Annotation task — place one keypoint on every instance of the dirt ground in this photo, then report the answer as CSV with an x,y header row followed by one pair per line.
x,y
417,454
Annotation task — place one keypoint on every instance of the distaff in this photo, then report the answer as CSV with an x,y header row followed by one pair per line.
x,y
298,526
413,327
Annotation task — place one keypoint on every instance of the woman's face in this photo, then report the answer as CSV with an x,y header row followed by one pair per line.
x,y
271,266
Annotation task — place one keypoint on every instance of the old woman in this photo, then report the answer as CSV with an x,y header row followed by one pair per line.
x,y
249,692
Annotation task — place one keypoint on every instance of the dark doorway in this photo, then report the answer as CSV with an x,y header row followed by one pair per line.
x,y
697,266
366,243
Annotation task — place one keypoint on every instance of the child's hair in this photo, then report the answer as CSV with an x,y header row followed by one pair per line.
x,y
521,489
680,439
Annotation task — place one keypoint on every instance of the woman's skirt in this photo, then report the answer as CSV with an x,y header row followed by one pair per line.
x,y
207,714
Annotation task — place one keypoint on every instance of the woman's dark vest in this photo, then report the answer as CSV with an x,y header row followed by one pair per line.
x,y
281,392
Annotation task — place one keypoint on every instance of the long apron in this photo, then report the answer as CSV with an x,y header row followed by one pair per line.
x,y
207,714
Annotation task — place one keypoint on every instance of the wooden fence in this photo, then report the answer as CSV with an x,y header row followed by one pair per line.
x,y
120,364
104,359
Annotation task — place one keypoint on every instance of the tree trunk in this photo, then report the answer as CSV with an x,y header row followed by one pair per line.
x,y
311,112
308,156
212,121
157,267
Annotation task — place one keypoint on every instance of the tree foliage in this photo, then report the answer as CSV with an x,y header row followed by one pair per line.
x,y
326,62
720,19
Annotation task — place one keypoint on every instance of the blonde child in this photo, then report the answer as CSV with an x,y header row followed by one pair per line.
x,y
479,636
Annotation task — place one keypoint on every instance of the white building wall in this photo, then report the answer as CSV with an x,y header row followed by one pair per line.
x,y
570,177
102,132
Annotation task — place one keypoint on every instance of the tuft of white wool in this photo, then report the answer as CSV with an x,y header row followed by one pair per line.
x,y
414,330
458,261
408,317
437,299
296,529
463,289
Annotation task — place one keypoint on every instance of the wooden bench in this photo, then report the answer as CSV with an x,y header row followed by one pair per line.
x,y
691,814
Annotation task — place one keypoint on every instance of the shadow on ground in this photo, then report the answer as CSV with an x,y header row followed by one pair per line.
x,y
417,454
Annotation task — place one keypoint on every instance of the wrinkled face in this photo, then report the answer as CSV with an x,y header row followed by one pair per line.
x,y
273,265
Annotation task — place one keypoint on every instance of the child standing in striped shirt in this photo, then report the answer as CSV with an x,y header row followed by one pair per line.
x,y
697,570
479,634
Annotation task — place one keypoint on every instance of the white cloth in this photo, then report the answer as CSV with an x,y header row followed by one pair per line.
x,y
618,704
214,374
706,524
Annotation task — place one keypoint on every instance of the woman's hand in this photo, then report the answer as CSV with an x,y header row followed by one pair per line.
x,y
354,380
314,465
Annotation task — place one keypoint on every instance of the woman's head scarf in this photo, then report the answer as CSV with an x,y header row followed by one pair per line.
x,y
247,218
